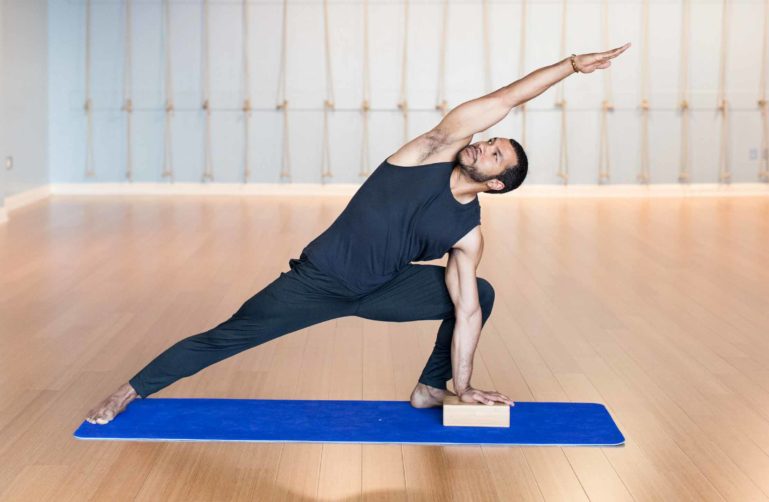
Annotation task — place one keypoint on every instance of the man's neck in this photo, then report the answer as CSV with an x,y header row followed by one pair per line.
x,y
463,190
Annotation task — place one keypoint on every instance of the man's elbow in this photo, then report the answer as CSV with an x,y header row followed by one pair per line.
x,y
511,96
468,313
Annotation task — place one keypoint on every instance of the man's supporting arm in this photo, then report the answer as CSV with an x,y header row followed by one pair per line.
x,y
462,284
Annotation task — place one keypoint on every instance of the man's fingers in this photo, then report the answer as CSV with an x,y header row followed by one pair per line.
x,y
619,50
503,398
612,53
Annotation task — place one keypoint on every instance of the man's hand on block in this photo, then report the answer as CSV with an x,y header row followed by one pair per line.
x,y
471,395
460,413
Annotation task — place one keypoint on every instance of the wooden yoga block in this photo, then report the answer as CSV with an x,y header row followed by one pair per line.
x,y
458,413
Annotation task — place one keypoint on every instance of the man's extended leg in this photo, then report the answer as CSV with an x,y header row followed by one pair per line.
x,y
420,292
285,305
296,299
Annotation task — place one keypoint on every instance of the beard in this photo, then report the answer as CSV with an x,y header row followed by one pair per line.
x,y
470,170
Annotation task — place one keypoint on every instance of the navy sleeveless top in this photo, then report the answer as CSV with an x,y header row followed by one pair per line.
x,y
398,215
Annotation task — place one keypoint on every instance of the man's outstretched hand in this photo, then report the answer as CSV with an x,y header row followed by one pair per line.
x,y
471,395
586,63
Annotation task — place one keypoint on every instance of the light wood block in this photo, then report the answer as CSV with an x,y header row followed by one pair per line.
x,y
458,413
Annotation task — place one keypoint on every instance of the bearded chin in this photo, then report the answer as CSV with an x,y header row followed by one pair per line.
x,y
473,174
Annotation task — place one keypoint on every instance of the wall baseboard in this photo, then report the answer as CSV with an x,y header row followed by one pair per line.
x,y
347,189
16,201
21,199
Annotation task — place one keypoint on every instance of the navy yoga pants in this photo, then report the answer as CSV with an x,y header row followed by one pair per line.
x,y
305,296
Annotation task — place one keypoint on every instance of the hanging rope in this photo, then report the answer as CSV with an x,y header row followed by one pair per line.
x,y
486,57
366,105
127,103
724,173
522,68
763,107
328,103
285,171
403,103
247,95
168,170
685,169
607,105
441,104
208,172
563,160
643,174
89,157
486,47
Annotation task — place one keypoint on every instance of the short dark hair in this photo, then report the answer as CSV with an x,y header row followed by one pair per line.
x,y
514,175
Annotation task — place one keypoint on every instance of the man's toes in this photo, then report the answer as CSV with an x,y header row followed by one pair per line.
x,y
103,419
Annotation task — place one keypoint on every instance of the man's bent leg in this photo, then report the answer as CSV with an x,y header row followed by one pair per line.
x,y
438,369
419,292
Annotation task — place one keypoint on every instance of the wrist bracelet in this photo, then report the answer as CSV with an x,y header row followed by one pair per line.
x,y
573,65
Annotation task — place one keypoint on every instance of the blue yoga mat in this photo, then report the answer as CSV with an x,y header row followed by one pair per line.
x,y
335,421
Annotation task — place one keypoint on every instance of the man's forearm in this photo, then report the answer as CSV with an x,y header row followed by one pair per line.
x,y
467,331
536,82
481,113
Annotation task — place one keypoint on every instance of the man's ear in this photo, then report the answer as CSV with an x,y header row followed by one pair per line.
x,y
495,185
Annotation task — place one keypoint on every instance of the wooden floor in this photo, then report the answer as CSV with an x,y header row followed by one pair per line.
x,y
657,307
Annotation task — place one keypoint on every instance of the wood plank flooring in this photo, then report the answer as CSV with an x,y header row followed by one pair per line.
x,y
658,308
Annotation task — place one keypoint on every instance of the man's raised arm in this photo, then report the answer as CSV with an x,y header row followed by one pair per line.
x,y
477,115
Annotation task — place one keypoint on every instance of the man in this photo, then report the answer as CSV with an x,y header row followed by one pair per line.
x,y
419,204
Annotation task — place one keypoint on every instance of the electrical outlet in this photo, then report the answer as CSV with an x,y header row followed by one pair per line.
x,y
9,162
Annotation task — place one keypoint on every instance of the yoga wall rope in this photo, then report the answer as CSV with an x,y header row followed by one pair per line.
x,y
247,94
724,172
441,104
168,169
285,170
607,105
763,107
365,167
87,106
328,104
403,103
127,103
522,68
685,168
208,170
563,160
486,57
643,174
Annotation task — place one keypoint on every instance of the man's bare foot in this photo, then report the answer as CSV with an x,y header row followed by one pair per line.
x,y
425,396
108,409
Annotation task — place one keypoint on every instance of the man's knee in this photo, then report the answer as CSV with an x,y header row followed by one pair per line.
x,y
485,295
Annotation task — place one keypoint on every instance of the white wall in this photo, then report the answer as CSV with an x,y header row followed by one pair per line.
x,y
24,94
464,81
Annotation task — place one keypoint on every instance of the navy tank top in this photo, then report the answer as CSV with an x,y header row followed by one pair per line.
x,y
398,215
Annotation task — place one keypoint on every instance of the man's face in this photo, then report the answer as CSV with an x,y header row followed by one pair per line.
x,y
485,160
